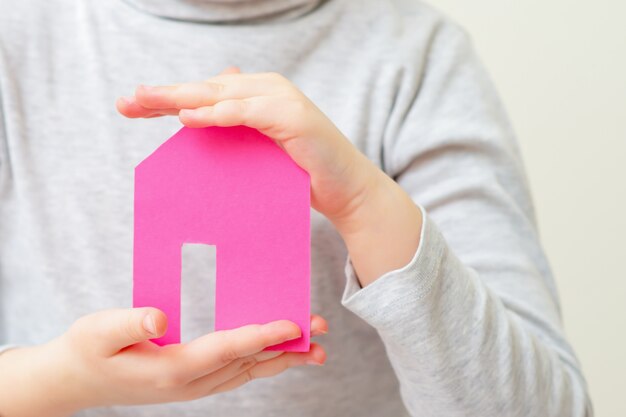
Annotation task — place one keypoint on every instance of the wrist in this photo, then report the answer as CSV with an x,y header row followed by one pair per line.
x,y
377,193
366,183
52,375
382,233
32,377
62,381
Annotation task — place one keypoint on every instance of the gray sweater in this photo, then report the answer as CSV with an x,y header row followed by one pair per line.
x,y
470,327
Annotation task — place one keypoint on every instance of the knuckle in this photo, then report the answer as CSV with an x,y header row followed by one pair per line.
x,y
243,106
248,362
276,76
169,381
85,328
239,108
261,338
247,376
178,95
228,355
282,85
222,107
228,352
129,328
215,88
232,110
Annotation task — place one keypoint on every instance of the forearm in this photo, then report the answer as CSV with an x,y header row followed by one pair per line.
x,y
447,334
458,349
31,383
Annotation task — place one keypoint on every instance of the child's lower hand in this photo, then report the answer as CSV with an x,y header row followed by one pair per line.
x,y
377,220
106,358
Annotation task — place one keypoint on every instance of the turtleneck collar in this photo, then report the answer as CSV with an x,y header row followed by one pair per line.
x,y
226,11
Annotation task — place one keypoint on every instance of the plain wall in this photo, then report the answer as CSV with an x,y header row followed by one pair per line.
x,y
560,68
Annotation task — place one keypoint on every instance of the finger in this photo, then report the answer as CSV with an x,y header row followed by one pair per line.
x,y
272,116
264,355
319,326
200,387
209,92
129,107
109,331
211,352
272,367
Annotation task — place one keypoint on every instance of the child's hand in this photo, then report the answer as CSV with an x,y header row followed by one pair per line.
x,y
378,221
106,358
340,175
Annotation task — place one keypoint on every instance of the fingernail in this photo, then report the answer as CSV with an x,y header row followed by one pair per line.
x,y
313,362
298,335
149,325
145,87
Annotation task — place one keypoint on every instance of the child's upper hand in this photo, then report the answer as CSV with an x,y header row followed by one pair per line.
x,y
377,220
340,175
106,358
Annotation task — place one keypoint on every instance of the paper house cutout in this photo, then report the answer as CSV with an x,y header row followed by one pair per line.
x,y
236,189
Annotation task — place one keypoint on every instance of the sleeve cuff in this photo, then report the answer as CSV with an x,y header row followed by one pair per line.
x,y
381,301
4,348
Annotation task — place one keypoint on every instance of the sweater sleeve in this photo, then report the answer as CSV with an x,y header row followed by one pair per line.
x,y
3,178
472,323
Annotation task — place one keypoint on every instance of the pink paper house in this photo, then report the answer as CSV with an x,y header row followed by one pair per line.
x,y
236,189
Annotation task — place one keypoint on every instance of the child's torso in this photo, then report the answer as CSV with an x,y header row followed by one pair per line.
x,y
66,174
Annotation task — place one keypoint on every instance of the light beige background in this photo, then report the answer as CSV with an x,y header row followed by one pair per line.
x,y
560,67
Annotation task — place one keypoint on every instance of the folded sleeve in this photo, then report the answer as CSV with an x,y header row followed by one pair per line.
x,y
472,323
3,178
4,348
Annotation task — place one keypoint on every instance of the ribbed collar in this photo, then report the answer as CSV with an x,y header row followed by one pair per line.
x,y
226,11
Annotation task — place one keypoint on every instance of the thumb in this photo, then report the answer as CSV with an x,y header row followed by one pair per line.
x,y
109,331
